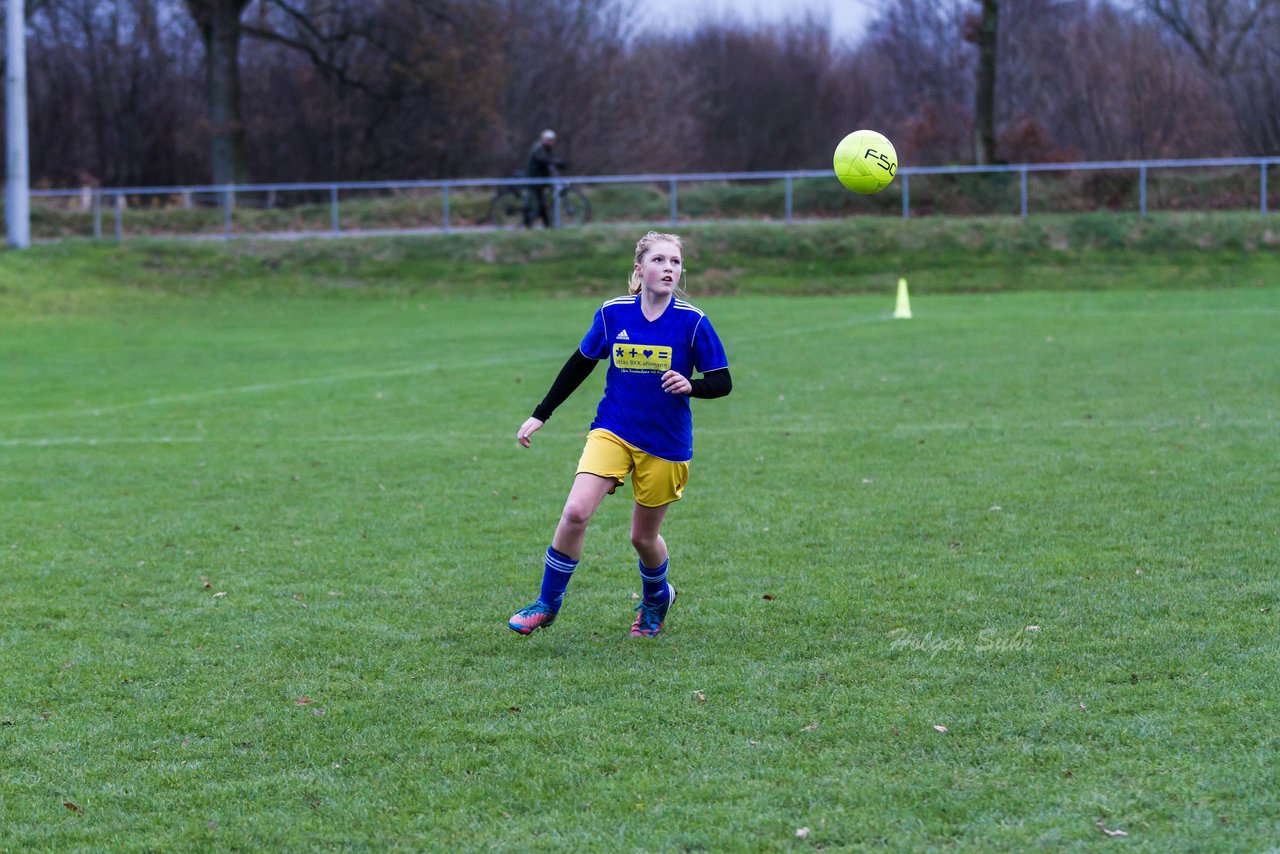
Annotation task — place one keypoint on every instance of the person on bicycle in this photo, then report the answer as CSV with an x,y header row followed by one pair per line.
x,y
542,164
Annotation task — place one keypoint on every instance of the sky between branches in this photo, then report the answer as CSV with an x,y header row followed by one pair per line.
x,y
847,17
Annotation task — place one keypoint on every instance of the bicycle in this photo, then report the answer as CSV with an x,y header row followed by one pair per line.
x,y
510,201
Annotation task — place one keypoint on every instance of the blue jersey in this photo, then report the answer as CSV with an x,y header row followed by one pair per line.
x,y
640,351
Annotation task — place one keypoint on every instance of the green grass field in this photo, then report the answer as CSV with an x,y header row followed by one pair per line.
x,y
258,546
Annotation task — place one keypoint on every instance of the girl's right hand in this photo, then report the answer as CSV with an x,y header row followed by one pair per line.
x,y
527,429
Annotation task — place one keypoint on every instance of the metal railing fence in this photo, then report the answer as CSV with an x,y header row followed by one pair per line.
x,y
1130,189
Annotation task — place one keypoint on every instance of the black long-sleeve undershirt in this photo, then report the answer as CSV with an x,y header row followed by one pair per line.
x,y
572,375
712,384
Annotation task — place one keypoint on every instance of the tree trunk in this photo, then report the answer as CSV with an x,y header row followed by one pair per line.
x,y
984,107
219,23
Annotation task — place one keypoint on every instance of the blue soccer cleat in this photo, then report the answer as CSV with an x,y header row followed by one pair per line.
x,y
536,616
649,621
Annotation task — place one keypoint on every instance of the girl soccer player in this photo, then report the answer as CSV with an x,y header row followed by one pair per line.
x,y
643,427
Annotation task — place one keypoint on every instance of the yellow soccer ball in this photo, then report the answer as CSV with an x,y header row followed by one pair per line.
x,y
865,161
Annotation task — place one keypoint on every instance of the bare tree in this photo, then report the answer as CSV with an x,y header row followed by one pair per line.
x,y
1217,31
299,90
566,67
1114,84
922,74
1235,40
983,30
219,25
110,85
753,90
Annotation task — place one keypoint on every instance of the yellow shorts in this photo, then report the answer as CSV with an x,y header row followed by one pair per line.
x,y
656,481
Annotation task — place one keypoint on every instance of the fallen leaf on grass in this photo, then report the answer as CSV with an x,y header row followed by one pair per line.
x,y
939,728
768,597
1100,826
73,807
304,700
513,708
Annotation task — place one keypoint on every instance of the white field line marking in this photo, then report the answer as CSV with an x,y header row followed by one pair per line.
x,y
51,441
822,327
1119,314
575,437
259,388
944,427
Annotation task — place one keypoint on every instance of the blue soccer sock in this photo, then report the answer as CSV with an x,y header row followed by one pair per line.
x,y
555,578
654,582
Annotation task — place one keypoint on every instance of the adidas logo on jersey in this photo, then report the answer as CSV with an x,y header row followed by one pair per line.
x,y
623,336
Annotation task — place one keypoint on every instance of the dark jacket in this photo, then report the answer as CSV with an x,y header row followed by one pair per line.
x,y
542,162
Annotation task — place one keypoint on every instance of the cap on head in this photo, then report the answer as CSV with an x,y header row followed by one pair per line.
x,y
548,135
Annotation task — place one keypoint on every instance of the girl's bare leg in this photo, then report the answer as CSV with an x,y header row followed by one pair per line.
x,y
583,501
649,545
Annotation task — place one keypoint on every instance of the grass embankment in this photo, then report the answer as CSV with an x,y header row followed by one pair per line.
x,y
1086,252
